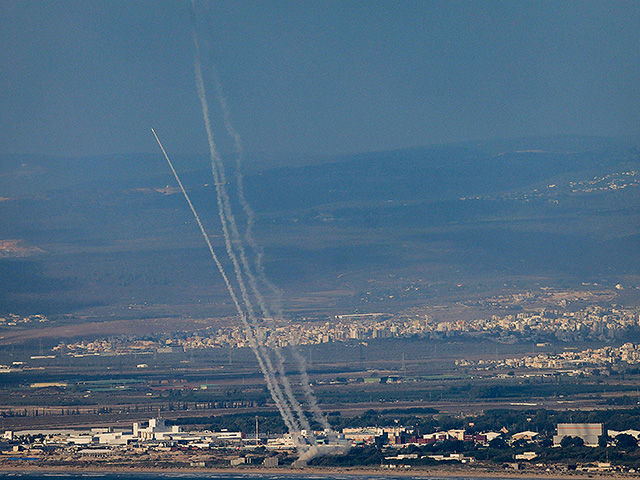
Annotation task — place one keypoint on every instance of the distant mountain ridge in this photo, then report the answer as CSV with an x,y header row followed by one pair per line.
x,y
114,230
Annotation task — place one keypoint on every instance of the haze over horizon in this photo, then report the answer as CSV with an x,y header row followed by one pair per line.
x,y
432,208
315,78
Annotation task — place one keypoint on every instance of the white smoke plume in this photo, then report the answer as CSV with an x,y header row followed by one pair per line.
x,y
231,237
247,282
317,414
273,387
320,450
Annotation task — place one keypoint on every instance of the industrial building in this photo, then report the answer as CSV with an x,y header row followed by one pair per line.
x,y
588,432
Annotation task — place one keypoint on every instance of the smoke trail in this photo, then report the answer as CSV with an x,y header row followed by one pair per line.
x,y
259,265
232,238
242,267
246,207
227,220
320,450
280,404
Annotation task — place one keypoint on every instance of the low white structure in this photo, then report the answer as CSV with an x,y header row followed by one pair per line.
x,y
157,430
526,456
453,457
527,435
634,433
456,434
283,442
492,435
115,438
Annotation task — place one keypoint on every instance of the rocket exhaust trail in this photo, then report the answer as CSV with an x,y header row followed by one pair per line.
x,y
243,270
257,252
287,417
232,239
226,217
273,388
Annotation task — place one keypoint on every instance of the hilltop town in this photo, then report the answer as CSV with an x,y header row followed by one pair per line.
x,y
592,323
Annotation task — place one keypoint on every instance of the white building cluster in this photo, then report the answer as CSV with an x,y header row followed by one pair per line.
x,y
157,433
592,322
584,361
12,320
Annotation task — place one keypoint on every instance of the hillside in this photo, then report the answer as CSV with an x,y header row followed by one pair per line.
x,y
373,231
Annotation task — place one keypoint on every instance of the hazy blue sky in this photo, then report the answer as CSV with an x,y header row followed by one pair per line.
x,y
91,77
